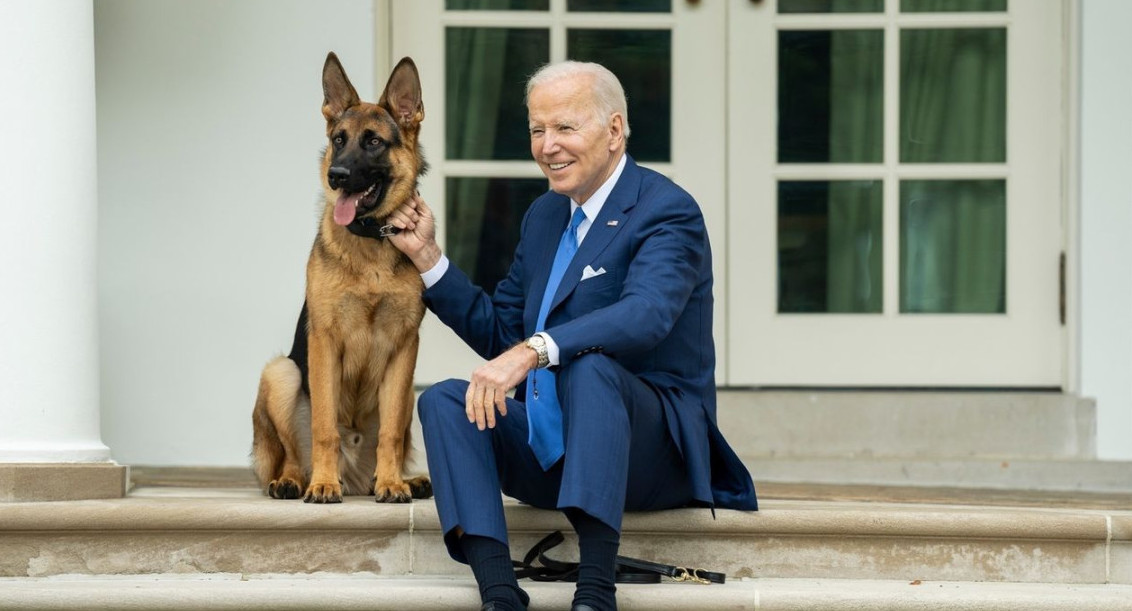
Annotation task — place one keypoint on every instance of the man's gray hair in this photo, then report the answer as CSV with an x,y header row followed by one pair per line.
x,y
608,95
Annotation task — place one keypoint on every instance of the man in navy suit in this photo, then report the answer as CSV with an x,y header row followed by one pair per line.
x,y
613,366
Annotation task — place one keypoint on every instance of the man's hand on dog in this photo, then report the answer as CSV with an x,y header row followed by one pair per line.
x,y
417,238
491,382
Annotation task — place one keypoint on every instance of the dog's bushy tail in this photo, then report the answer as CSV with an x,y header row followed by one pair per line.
x,y
280,386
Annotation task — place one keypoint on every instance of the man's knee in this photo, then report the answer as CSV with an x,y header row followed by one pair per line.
x,y
593,381
440,399
589,370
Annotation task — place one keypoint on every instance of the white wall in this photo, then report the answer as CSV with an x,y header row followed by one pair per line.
x,y
209,132
1106,221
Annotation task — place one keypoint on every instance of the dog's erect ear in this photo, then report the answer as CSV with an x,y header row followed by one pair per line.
x,y
402,95
337,92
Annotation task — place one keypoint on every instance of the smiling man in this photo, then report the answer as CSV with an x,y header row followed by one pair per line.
x,y
603,328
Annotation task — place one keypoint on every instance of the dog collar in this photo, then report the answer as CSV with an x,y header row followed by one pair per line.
x,y
369,227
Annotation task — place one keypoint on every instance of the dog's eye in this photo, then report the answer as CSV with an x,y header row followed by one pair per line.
x,y
339,141
376,142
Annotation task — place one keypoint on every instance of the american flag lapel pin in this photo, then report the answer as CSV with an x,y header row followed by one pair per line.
x,y
611,223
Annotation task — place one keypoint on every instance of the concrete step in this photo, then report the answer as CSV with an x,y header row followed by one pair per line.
x,y
210,531
955,439
346,592
930,425
1051,475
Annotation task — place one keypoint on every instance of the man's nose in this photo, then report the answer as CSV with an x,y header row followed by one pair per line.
x,y
549,143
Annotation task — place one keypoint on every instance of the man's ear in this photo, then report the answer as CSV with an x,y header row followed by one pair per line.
x,y
402,95
616,131
338,93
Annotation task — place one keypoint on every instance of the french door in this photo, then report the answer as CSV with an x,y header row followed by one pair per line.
x,y
881,179
895,192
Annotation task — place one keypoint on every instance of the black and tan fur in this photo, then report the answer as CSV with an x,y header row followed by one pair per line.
x,y
348,430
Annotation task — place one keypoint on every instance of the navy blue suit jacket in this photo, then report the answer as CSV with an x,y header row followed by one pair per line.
x,y
651,311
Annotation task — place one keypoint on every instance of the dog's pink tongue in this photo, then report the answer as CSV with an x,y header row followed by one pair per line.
x,y
346,207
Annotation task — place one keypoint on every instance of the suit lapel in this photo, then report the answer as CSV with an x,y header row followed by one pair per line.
x,y
609,221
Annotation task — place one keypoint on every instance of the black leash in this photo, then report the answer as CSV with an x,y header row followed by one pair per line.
x,y
629,570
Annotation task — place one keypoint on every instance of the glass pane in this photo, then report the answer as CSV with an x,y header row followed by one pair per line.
x,y
497,5
951,6
830,6
953,246
642,61
620,6
830,246
831,96
953,95
486,72
483,217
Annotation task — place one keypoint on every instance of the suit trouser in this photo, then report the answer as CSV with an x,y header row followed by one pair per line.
x,y
619,453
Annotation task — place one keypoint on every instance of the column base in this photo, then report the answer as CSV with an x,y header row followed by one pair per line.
x,y
62,481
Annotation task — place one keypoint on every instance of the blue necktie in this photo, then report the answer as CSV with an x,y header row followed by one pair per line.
x,y
544,413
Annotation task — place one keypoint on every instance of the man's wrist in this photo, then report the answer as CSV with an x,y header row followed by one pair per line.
x,y
537,343
427,257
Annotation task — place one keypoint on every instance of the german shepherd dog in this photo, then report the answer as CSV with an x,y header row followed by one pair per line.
x,y
333,417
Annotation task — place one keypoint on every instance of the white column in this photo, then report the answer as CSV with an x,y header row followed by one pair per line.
x,y
49,374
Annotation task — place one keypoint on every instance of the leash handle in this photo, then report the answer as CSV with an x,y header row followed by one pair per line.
x,y
629,570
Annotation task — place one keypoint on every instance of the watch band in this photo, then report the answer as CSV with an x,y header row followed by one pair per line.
x,y
538,344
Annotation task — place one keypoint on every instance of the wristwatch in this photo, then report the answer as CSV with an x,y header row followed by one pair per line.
x,y
538,344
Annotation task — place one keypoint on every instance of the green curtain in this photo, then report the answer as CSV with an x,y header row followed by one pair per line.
x,y
953,110
855,256
953,232
474,78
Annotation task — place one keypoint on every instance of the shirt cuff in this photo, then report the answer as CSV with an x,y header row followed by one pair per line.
x,y
551,349
437,272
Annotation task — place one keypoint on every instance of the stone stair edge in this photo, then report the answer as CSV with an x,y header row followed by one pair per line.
x,y
824,518
423,593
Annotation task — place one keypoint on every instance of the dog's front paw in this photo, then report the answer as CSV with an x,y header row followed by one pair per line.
x,y
392,492
284,488
323,493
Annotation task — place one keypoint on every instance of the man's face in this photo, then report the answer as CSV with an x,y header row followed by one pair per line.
x,y
575,151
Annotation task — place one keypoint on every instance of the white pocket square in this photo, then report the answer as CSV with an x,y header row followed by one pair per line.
x,y
590,272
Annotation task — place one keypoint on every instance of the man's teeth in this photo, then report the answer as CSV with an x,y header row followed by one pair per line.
x,y
557,166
